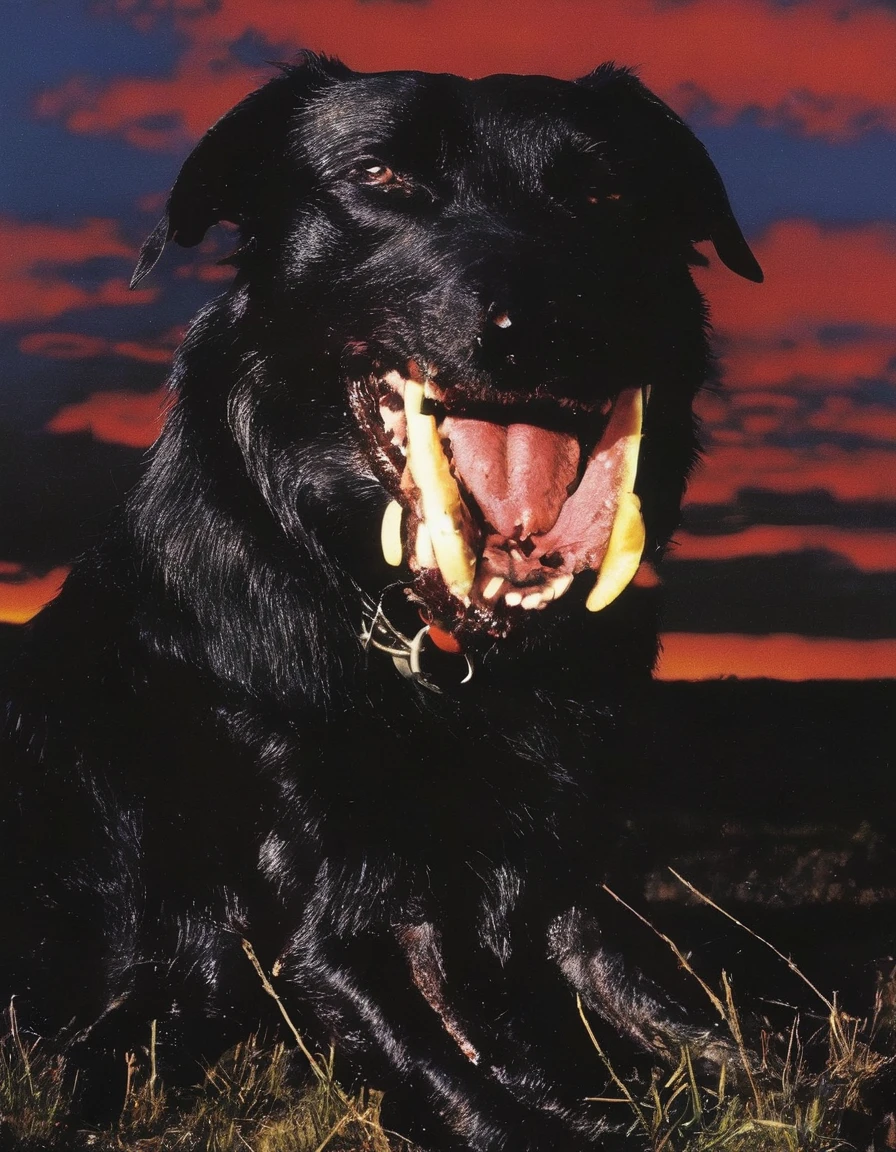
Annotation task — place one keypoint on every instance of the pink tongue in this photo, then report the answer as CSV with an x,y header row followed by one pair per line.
x,y
519,474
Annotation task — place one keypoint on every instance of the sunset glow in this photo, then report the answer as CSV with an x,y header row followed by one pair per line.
x,y
797,105
687,656
22,596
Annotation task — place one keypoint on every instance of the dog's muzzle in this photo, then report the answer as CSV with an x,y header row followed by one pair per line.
x,y
504,508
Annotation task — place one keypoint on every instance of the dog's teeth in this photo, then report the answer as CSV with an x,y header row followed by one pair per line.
x,y
493,587
513,599
560,586
390,534
424,553
623,553
395,381
444,512
534,600
626,543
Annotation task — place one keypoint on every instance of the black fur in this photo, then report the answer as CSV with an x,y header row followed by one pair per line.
x,y
199,748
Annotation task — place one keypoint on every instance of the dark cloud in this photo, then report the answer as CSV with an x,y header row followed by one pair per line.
x,y
58,494
811,507
812,593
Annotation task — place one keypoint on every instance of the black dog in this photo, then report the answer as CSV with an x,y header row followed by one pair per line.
x,y
457,306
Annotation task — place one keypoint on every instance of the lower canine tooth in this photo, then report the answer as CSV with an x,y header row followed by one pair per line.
x,y
513,599
492,588
390,534
444,512
623,553
626,543
560,586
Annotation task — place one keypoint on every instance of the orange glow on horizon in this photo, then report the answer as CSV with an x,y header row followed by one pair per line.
x,y
20,599
781,656
686,656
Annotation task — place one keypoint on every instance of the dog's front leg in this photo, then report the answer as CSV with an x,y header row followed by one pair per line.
x,y
393,1014
631,1004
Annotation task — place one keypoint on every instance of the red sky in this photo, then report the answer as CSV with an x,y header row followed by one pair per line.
x,y
808,402
824,66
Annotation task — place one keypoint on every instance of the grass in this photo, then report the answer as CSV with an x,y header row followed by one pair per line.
x,y
35,1090
782,1091
253,1098
256,1097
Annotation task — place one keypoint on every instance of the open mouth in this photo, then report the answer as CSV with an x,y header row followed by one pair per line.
x,y
499,505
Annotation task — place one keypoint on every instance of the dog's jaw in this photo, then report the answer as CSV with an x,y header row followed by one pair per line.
x,y
498,506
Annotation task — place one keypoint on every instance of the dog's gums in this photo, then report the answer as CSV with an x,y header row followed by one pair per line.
x,y
506,503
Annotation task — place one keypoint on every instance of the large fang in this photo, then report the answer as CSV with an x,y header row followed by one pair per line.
x,y
626,543
390,534
444,512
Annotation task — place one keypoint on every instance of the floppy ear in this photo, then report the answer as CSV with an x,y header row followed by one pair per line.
x,y
222,177
681,164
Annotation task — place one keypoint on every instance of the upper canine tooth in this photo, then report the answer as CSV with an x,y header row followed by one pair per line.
x,y
390,534
626,543
423,548
444,512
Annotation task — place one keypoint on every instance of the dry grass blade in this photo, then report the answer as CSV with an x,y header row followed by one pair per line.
x,y
795,1093
679,955
35,1087
255,1098
829,1004
316,1068
628,1098
363,1116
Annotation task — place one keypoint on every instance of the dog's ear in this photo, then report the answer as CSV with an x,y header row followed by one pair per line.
x,y
221,177
683,170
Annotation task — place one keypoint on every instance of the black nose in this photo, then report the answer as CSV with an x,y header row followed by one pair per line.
x,y
498,342
499,316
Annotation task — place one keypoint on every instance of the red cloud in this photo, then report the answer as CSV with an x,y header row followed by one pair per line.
x,y
752,365
31,288
867,551
22,596
746,415
130,418
154,113
63,345
871,422
820,67
74,346
813,276
867,474
689,656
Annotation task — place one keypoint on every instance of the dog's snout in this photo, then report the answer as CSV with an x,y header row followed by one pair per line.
x,y
499,316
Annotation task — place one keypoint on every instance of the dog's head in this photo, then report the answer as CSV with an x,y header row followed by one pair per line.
x,y
496,272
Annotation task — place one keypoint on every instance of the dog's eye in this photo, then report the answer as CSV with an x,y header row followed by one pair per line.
x,y
399,191
601,196
379,175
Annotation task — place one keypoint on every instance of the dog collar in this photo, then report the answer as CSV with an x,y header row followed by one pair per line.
x,y
413,656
